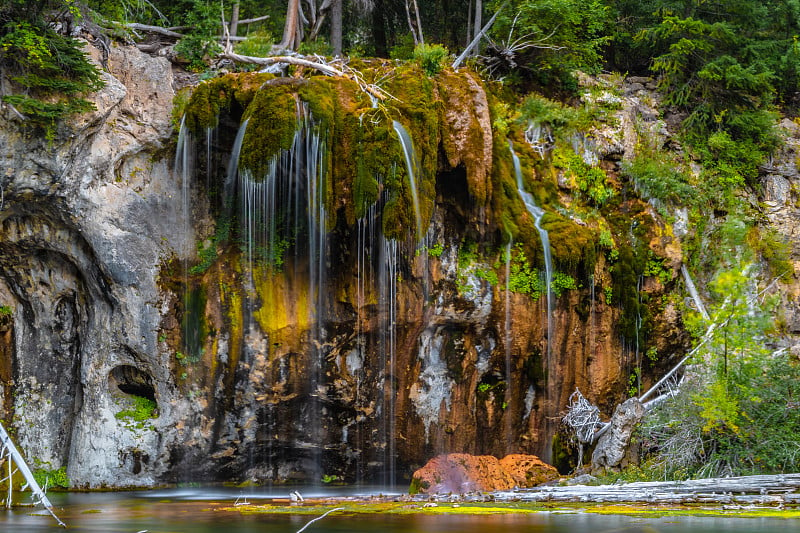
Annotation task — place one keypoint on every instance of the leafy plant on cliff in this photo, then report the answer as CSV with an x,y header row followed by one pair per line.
x,y
524,278
590,181
738,413
430,57
52,478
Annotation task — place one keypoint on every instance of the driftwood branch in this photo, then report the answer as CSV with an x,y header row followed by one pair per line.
x,y
253,20
170,32
154,29
319,518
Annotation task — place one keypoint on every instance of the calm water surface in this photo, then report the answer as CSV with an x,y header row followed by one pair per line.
x,y
197,511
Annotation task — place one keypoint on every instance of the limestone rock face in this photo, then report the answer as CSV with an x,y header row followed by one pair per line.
x,y
85,225
460,473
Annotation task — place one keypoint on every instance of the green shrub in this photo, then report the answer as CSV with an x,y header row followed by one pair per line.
x,y
257,44
738,414
591,182
52,478
660,179
404,47
430,57
318,46
202,42
436,250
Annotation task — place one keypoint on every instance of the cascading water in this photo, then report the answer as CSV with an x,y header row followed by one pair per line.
x,y
537,213
387,281
278,210
411,167
508,428
378,264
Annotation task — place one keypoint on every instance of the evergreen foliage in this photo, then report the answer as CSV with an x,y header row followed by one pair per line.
x,y
49,72
564,36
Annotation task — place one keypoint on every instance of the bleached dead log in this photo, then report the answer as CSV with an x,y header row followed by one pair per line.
x,y
747,490
690,286
169,32
11,453
154,29
612,445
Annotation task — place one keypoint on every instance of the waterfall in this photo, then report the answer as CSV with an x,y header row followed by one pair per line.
x,y
508,428
537,213
387,281
411,166
421,235
279,211
191,346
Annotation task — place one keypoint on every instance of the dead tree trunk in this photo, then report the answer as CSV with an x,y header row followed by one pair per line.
x,y
478,23
293,29
336,27
234,25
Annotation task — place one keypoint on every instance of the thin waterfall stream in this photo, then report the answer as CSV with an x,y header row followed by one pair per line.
x,y
537,213
550,365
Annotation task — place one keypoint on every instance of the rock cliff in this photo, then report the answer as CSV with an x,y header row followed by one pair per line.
x,y
355,349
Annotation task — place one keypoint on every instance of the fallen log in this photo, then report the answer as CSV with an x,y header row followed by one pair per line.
x,y
746,490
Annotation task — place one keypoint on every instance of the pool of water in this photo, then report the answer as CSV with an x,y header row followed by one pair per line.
x,y
200,511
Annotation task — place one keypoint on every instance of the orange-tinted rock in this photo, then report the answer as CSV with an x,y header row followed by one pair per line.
x,y
461,472
528,470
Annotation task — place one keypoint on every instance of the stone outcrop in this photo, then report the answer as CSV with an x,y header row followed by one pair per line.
x,y
460,473
612,446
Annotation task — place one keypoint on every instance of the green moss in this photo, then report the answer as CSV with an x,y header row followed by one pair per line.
x,y
572,246
213,96
140,411
272,123
418,108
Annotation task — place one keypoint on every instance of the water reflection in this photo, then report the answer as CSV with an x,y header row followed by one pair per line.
x,y
200,511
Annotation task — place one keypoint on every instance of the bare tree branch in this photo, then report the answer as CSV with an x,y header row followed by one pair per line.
x,y
326,69
478,37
